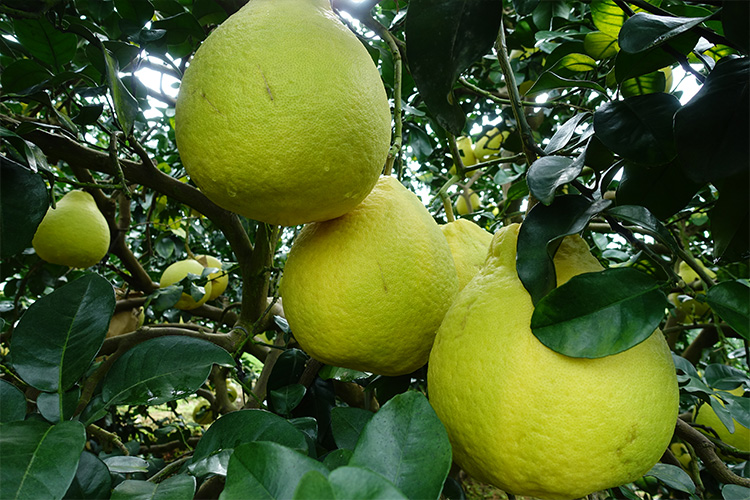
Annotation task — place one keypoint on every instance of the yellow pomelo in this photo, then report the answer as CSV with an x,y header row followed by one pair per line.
x,y
488,145
706,415
689,275
368,290
469,244
282,116
682,454
534,422
176,272
467,202
74,234
219,279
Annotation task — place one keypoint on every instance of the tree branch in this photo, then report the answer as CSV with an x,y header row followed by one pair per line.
x,y
706,451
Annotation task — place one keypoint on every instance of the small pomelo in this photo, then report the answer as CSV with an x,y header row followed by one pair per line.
x,y
74,234
175,273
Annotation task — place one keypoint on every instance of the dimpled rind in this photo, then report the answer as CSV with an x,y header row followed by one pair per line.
x,y
74,234
282,116
534,422
368,290
469,244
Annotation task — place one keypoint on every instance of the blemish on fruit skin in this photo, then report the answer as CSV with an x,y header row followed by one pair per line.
x,y
268,87
203,95
382,277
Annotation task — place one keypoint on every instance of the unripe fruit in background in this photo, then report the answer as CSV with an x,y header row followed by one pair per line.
x,y
468,202
177,272
219,279
74,234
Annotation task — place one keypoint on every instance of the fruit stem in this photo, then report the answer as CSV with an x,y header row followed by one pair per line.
x,y
443,195
448,207
456,154
394,154
530,148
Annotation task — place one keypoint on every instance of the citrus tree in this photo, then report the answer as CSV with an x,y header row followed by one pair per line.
x,y
207,291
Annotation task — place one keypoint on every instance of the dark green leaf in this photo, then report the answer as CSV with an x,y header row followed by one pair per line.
x,y
134,14
443,39
525,7
664,190
180,28
644,30
92,480
126,107
246,426
161,370
266,470
287,398
23,74
629,65
734,491
60,334
337,458
731,301
550,172
725,377
46,43
735,18
56,407
179,487
14,403
550,81
739,408
672,476
651,83
614,310
29,151
347,424
346,482
23,204
730,219
563,134
39,460
288,369
540,236
639,128
711,130
406,431
642,217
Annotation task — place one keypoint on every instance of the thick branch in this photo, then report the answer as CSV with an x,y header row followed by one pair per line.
x,y
706,451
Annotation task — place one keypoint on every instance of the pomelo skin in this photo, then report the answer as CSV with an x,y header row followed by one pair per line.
x,y
282,116
534,422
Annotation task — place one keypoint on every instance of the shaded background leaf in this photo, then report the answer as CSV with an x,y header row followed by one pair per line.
x,y
23,204
14,403
711,130
442,39
639,128
731,301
